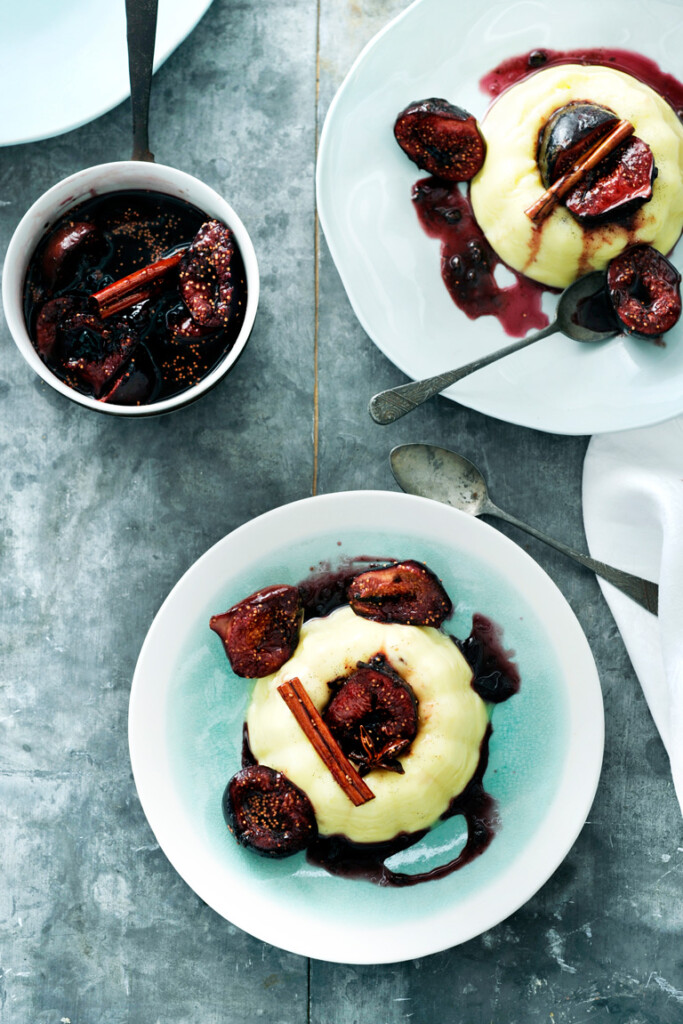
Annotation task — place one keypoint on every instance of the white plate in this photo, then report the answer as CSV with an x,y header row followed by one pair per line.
x,y
390,268
65,62
187,710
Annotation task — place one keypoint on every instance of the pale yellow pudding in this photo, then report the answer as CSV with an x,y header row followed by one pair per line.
x,y
561,249
442,758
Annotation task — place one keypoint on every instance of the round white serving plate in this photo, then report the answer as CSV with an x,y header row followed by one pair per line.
x,y
187,710
391,269
65,62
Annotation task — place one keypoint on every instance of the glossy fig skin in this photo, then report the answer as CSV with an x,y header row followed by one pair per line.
x,y
206,278
261,632
644,289
618,186
65,245
89,350
569,133
95,351
373,716
267,813
52,315
407,593
441,139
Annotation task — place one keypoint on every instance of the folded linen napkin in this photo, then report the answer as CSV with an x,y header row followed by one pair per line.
x,y
633,516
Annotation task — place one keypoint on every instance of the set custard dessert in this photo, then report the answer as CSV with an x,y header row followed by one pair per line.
x,y
367,723
577,162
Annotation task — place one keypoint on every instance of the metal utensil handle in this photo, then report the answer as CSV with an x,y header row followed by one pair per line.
x,y
642,591
141,22
390,405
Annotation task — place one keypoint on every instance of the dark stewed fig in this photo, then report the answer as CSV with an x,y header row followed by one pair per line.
x,y
617,186
63,247
442,139
643,287
261,632
373,717
95,350
569,133
407,592
206,278
72,337
52,315
267,813
137,383
183,328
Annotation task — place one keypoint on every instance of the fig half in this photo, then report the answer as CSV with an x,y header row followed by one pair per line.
x,y
373,716
96,350
644,289
260,633
617,186
407,592
206,275
267,813
569,133
442,139
65,246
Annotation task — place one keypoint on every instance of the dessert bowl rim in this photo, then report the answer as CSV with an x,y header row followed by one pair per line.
x,y
241,895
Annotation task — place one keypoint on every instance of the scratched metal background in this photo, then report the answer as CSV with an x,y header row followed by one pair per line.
x,y
99,518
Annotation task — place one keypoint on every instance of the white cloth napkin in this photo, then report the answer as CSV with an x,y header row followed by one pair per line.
x,y
633,515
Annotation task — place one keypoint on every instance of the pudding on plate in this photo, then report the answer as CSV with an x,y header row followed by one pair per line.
x,y
443,757
560,249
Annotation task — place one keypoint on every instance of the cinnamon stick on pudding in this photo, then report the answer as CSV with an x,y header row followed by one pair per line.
x,y
321,739
546,203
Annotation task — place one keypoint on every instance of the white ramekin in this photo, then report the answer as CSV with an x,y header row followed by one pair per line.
x,y
94,181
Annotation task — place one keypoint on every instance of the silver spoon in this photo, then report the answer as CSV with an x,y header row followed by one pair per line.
x,y
390,405
445,476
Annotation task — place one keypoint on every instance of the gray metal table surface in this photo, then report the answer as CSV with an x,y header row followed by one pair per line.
x,y
101,516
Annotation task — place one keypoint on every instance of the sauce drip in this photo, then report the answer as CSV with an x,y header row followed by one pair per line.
x,y
340,856
514,69
468,262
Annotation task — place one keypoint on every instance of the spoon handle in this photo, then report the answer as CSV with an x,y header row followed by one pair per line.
x,y
141,22
390,405
642,591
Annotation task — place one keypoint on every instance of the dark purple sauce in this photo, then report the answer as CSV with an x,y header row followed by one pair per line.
x,y
596,312
325,588
248,758
467,260
134,229
496,677
514,69
340,856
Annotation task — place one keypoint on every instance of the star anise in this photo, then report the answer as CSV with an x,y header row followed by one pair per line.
x,y
386,757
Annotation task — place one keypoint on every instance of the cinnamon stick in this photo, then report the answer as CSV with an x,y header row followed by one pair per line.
x,y
546,203
321,739
133,283
125,302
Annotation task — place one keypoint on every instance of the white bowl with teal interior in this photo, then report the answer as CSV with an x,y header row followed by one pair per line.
x,y
187,709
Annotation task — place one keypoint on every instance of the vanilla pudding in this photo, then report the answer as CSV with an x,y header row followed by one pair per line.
x,y
443,757
560,249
